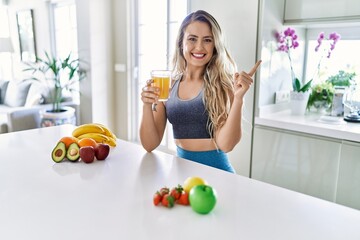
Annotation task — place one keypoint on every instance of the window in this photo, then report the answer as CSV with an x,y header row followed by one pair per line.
x,y
64,35
343,57
157,24
65,28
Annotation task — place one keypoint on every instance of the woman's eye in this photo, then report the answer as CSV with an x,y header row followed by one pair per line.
x,y
192,39
208,40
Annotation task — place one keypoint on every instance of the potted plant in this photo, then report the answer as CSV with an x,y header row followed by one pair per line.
x,y
57,75
287,42
341,79
321,96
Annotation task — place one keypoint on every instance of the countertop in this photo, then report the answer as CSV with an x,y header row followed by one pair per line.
x,y
112,199
312,123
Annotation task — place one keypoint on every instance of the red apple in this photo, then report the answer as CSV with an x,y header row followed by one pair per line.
x,y
87,154
102,150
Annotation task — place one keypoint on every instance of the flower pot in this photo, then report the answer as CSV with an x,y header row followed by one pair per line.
x,y
65,116
322,106
298,102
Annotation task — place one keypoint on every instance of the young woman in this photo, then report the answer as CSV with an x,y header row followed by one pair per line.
x,y
206,99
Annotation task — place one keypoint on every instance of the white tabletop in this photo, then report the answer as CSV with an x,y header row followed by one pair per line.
x,y
112,199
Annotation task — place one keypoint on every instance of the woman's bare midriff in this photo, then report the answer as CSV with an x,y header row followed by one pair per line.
x,y
206,144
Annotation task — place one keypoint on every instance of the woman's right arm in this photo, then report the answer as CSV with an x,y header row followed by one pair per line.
x,y
153,123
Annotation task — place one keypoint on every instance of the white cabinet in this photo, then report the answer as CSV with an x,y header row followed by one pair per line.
x,y
300,162
321,10
348,188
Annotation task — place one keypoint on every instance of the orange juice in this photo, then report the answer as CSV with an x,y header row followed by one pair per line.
x,y
162,80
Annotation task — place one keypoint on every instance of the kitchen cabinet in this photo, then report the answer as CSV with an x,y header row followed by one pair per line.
x,y
321,10
349,175
301,162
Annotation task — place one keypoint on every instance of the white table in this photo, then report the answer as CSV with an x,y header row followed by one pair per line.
x,y
112,199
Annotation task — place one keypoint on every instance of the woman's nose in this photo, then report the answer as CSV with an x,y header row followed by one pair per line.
x,y
199,45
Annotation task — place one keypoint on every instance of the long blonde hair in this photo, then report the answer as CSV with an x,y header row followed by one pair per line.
x,y
218,73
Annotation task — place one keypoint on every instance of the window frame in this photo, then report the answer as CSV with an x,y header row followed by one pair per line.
x,y
167,144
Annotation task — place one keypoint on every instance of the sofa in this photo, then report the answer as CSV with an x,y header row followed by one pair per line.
x,y
21,103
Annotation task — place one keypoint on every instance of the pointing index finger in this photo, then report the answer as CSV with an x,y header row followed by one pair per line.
x,y
255,67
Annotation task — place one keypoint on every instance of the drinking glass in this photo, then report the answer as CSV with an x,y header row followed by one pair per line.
x,y
162,80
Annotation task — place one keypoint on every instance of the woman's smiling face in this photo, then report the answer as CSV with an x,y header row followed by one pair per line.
x,y
198,44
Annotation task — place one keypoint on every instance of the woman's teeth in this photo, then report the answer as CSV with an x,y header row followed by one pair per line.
x,y
198,55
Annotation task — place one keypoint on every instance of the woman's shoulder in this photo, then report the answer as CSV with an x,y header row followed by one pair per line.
x,y
176,79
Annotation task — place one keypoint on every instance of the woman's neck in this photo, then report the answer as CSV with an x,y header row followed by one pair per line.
x,y
196,74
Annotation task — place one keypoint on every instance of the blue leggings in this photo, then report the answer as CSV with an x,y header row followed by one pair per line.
x,y
214,158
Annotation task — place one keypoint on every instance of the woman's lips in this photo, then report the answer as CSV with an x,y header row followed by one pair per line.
x,y
198,55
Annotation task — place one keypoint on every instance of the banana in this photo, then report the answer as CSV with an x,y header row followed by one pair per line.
x,y
99,138
87,128
112,142
108,132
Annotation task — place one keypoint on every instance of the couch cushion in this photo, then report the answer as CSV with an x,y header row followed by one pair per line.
x,y
16,93
3,87
3,123
35,95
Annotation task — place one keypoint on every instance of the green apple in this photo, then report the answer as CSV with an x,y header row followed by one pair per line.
x,y
202,198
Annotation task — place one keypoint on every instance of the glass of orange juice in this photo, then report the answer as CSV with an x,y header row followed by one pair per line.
x,y
162,80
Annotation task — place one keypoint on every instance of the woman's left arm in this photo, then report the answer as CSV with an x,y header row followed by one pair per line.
x,y
230,133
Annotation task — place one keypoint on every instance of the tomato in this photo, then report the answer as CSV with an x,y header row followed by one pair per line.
x,y
157,198
168,201
164,190
176,191
183,199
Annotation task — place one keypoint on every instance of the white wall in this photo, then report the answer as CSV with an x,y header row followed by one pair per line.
x,y
238,20
96,47
275,74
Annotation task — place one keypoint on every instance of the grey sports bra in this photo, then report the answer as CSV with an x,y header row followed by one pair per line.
x,y
189,118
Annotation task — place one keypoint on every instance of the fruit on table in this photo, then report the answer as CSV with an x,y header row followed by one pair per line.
x,y
168,200
85,142
108,132
68,140
87,154
73,152
102,150
157,198
176,191
98,137
183,199
99,132
193,181
87,128
164,190
59,152
202,198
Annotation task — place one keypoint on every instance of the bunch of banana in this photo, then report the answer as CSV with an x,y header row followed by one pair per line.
x,y
96,131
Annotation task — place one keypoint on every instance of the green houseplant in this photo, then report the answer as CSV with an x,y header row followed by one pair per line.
x,y
341,79
57,74
321,96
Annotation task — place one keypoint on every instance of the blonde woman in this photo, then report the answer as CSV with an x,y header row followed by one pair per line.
x,y
206,99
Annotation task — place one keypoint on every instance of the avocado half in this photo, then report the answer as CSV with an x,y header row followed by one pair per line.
x,y
59,152
73,152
